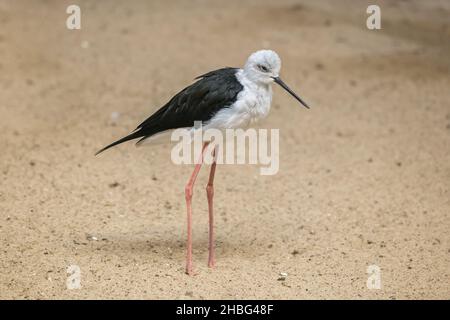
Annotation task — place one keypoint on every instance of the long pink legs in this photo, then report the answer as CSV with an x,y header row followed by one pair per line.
x,y
188,191
210,195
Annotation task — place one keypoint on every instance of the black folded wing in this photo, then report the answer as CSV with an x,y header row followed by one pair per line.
x,y
200,101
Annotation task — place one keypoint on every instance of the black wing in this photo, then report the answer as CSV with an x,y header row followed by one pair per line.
x,y
200,101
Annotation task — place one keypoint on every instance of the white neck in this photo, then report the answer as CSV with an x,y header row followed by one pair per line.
x,y
247,79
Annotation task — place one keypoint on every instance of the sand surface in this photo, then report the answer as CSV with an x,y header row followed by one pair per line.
x,y
364,175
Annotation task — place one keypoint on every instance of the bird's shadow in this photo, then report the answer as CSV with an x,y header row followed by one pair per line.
x,y
168,246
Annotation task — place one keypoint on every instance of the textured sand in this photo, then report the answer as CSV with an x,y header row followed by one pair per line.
x,y
364,176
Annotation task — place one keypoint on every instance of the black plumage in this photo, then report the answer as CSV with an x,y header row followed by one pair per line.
x,y
200,101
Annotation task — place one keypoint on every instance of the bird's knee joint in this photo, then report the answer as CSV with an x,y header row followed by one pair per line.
x,y
188,192
210,189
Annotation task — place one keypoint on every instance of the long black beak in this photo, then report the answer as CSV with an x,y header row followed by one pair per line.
x,y
285,87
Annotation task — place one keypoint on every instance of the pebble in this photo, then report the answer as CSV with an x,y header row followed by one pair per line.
x,y
283,276
91,237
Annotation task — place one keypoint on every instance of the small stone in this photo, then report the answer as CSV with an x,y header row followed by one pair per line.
x,y
282,276
91,237
114,184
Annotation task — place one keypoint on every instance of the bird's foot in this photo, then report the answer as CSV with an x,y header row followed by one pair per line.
x,y
190,271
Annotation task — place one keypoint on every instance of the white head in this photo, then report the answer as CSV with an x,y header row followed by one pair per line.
x,y
263,68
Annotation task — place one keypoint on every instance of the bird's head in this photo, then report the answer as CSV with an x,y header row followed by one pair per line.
x,y
263,67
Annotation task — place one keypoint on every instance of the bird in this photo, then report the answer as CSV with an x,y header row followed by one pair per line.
x,y
226,98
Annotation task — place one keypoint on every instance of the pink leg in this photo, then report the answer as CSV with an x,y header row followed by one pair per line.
x,y
188,191
210,195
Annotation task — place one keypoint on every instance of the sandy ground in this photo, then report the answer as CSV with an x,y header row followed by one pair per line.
x,y
364,175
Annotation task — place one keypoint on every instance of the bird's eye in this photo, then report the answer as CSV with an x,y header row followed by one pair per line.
x,y
263,68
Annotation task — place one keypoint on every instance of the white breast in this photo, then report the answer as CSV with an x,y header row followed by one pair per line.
x,y
252,104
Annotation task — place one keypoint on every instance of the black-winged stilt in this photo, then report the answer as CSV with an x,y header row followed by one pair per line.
x,y
226,98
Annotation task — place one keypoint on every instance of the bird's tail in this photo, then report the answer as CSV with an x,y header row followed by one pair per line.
x,y
131,136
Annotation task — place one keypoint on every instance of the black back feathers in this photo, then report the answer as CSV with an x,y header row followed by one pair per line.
x,y
200,101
